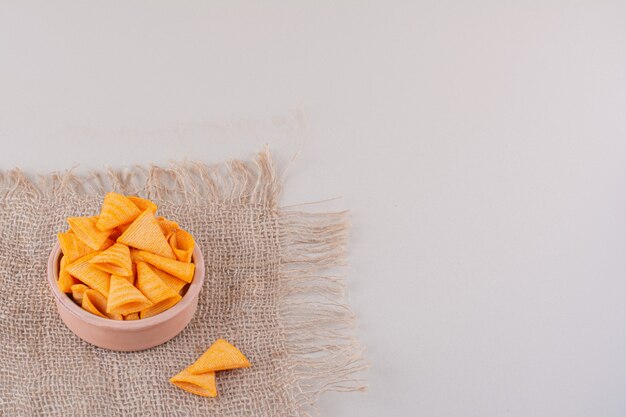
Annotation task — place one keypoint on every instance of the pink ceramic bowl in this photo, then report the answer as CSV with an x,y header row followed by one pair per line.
x,y
126,335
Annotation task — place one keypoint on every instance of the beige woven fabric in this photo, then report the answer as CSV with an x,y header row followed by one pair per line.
x,y
267,290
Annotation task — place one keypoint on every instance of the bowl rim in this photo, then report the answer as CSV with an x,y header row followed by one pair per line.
x,y
64,301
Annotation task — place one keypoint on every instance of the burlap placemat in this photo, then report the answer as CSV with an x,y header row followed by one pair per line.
x,y
267,290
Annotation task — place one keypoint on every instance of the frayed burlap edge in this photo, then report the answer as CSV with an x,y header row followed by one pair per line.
x,y
324,353
180,182
322,350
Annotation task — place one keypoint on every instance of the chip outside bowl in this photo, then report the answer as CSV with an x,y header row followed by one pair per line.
x,y
129,335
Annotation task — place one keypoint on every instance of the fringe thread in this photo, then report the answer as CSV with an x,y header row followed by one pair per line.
x,y
187,182
324,353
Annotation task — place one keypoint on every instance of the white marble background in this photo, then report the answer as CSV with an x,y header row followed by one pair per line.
x,y
481,147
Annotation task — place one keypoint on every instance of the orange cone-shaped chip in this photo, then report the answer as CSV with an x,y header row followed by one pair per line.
x,y
182,244
77,292
132,316
203,384
131,278
124,298
91,300
89,274
117,232
174,283
180,270
143,204
116,210
134,256
114,260
96,303
72,247
86,230
160,307
66,280
155,290
145,234
219,357
167,226
122,228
